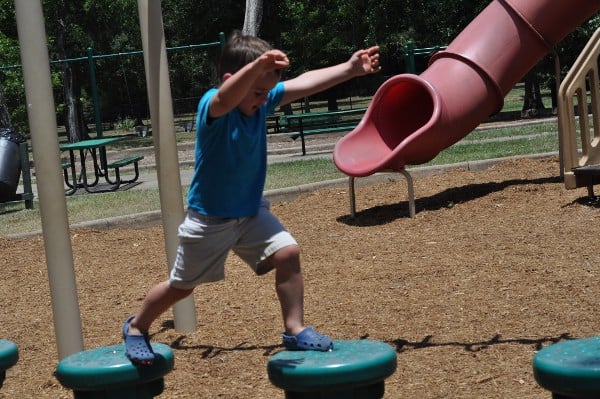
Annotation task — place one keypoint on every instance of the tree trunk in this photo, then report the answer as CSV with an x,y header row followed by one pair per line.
x,y
74,123
5,121
553,96
253,17
532,101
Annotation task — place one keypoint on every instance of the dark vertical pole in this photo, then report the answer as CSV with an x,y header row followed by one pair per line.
x,y
409,52
95,99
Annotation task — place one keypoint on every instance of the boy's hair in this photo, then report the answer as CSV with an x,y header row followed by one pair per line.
x,y
239,51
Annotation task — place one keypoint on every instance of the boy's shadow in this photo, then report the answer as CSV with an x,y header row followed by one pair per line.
x,y
399,344
210,351
383,214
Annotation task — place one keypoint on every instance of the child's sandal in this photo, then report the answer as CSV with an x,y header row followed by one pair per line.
x,y
308,339
137,347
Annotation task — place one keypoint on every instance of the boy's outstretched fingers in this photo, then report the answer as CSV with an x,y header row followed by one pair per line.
x,y
370,58
374,54
278,58
373,50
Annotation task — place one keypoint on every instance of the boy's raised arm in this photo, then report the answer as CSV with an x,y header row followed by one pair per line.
x,y
235,86
361,63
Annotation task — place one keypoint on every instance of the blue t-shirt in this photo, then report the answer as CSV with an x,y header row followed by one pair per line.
x,y
231,159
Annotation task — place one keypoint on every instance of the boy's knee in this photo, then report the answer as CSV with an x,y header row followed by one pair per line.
x,y
291,253
288,256
179,293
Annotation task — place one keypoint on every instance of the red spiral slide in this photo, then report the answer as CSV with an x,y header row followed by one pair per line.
x,y
412,118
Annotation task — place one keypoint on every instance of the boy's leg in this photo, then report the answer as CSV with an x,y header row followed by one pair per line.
x,y
203,246
265,245
290,290
289,285
160,298
135,328
204,243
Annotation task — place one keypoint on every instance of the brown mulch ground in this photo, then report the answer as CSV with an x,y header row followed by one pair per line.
x,y
495,265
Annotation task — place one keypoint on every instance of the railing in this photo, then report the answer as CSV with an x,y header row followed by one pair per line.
x,y
410,52
579,166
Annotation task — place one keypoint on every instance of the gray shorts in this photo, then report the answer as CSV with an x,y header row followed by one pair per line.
x,y
205,241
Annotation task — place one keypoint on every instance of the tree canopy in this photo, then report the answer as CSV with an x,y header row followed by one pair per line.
x,y
312,33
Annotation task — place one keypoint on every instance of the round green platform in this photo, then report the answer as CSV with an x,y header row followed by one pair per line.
x,y
353,370
9,355
570,369
106,372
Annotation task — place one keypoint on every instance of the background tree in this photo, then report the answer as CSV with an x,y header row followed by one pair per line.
x,y
532,99
313,34
13,112
253,17
196,22
74,118
567,52
318,34
4,114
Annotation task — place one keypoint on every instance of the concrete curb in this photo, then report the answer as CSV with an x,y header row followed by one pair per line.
x,y
147,219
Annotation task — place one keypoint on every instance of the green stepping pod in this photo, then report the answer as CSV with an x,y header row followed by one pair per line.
x,y
9,355
106,372
570,368
354,369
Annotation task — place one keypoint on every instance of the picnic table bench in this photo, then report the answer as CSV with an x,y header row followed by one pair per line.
x,y
116,165
310,123
101,166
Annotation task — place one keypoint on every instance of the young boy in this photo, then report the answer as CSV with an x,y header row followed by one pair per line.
x,y
226,210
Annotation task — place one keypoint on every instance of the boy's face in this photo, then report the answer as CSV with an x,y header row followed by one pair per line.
x,y
257,95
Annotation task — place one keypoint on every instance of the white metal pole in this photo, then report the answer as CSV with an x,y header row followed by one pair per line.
x,y
46,154
165,145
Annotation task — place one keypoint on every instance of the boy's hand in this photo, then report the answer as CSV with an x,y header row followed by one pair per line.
x,y
365,61
273,60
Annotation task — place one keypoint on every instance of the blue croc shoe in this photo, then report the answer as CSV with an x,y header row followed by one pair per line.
x,y
308,340
137,347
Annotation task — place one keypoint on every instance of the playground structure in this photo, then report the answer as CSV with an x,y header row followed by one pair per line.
x,y
413,118
581,169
